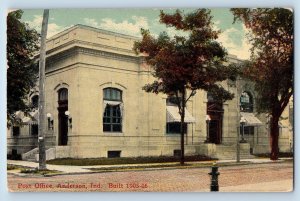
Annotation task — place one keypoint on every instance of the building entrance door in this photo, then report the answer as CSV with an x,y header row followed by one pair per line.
x,y
215,112
63,126
62,117
215,131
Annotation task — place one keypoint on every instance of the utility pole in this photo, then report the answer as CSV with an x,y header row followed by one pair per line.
x,y
42,116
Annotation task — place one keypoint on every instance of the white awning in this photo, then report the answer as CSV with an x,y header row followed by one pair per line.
x,y
174,116
106,102
251,119
18,115
114,103
32,119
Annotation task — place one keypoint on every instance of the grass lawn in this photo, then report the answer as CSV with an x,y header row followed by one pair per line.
x,y
119,161
280,155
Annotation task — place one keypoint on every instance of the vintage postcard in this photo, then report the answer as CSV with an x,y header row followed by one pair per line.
x,y
150,100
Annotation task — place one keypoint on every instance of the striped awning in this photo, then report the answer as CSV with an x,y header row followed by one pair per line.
x,y
174,116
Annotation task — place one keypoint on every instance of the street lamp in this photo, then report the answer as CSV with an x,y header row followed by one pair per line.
x,y
243,122
207,128
67,113
50,121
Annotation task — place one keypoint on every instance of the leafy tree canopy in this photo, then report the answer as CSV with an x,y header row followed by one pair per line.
x,y
271,66
190,62
22,43
186,63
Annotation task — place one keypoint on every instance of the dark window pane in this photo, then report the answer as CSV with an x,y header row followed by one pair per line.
x,y
173,100
34,129
106,120
118,95
112,115
117,127
63,94
112,94
174,127
246,102
106,94
118,112
113,154
35,101
115,120
106,127
114,111
248,130
16,130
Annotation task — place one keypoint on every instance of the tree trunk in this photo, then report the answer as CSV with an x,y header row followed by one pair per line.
x,y
182,128
274,135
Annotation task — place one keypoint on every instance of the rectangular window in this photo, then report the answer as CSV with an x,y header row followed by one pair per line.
x,y
112,120
16,130
174,128
173,100
177,152
34,129
248,130
113,154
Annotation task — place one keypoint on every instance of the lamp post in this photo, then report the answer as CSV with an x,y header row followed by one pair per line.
x,y
67,113
50,121
243,122
207,128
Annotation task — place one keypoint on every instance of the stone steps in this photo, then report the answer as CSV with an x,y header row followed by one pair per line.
x,y
228,152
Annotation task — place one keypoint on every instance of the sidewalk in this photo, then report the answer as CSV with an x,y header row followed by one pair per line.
x,y
70,169
274,186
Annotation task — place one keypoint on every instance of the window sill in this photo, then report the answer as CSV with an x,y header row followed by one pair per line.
x,y
112,133
171,134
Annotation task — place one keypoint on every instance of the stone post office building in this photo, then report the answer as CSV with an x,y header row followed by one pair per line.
x,y
96,107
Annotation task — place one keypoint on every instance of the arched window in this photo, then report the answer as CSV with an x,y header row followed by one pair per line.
x,y
246,102
35,101
63,94
113,107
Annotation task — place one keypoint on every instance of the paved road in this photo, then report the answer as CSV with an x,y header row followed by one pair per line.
x,y
257,177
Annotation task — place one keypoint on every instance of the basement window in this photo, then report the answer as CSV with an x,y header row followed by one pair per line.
x,y
177,152
113,154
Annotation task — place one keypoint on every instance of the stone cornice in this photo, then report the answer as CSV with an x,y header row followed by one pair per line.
x,y
110,55
81,26
82,50
92,46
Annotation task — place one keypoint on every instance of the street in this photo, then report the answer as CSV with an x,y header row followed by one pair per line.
x,y
243,178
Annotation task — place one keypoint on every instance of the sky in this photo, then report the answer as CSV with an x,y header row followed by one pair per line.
x,y
130,21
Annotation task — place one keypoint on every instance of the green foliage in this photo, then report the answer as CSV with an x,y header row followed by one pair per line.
x,y
22,43
272,60
186,63
123,160
271,66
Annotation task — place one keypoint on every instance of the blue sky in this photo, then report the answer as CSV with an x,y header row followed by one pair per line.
x,y
129,21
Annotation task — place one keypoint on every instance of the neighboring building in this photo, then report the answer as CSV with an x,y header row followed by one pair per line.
x,y
96,107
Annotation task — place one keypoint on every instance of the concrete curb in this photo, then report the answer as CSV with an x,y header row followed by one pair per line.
x,y
146,167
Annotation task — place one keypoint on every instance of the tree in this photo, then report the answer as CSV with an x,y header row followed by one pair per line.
x,y
184,64
22,43
271,65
